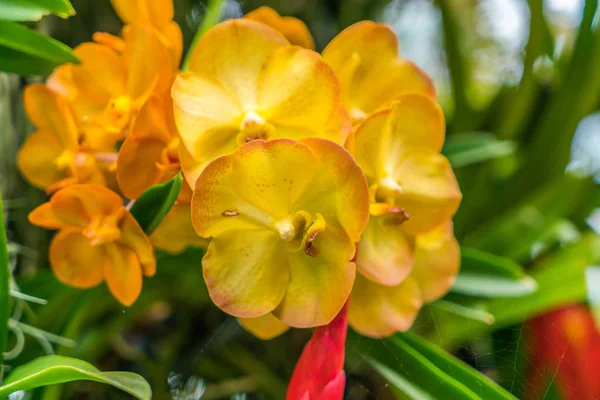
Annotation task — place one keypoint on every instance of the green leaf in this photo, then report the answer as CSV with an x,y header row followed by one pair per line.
x,y
34,10
421,371
4,289
466,311
25,51
487,275
52,370
472,148
152,206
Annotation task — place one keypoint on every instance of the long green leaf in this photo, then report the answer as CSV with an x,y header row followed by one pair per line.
x,y
152,206
34,10
25,51
474,380
4,288
487,275
52,370
472,148
401,364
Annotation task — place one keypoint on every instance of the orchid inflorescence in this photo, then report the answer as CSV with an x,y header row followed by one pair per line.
x,y
312,180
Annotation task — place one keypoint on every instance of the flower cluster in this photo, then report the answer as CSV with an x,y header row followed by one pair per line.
x,y
313,180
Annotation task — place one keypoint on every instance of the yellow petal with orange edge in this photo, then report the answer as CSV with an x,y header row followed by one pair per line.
x,y
123,273
134,238
175,233
414,120
144,76
246,271
379,311
385,253
75,261
319,284
430,193
297,90
292,28
51,113
236,63
365,58
102,74
37,160
265,327
437,260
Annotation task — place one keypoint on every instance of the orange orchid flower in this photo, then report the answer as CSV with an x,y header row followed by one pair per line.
x,y
292,28
284,217
156,14
365,60
59,153
97,240
253,85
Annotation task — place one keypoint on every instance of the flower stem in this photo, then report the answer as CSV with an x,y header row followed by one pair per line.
x,y
211,18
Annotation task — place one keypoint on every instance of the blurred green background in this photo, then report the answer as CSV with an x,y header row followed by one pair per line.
x,y
519,82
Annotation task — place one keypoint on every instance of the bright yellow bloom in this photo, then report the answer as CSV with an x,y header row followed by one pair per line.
x,y
292,28
378,311
114,78
150,153
98,239
266,327
175,233
59,153
365,60
284,217
157,14
246,82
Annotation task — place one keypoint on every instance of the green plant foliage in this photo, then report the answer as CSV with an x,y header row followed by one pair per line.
x,y
423,371
4,289
27,52
484,274
472,148
152,206
34,10
51,370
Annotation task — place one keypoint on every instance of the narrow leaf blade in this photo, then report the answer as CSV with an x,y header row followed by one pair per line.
x,y
152,206
34,10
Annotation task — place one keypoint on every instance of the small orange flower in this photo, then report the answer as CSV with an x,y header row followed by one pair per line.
x,y
365,60
59,153
98,239
292,28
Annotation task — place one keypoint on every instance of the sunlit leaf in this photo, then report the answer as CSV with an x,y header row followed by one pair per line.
x,y
34,10
471,148
469,312
25,51
51,370
487,275
152,206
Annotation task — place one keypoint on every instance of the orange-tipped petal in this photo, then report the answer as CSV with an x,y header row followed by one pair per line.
x,y
430,193
385,253
265,327
236,63
123,273
437,260
102,73
365,58
75,261
246,272
292,28
175,233
51,113
134,238
379,311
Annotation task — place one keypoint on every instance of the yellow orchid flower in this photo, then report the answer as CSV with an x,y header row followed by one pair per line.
x,y
253,85
365,60
265,327
59,153
114,78
412,186
378,311
284,217
157,14
97,240
150,153
175,233
292,28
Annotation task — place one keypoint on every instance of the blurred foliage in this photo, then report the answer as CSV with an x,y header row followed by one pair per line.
x,y
522,222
